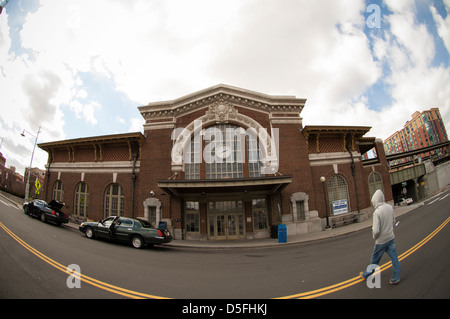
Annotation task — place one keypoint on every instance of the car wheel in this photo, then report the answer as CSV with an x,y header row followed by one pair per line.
x,y
43,219
137,242
89,233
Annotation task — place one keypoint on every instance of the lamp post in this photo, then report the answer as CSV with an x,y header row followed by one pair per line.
x,y
322,179
27,188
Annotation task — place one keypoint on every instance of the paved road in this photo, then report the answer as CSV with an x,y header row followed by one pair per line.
x,y
34,255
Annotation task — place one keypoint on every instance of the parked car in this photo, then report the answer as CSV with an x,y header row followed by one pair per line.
x,y
46,212
128,230
405,201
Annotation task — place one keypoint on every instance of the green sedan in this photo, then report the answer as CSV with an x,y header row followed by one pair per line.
x,y
128,230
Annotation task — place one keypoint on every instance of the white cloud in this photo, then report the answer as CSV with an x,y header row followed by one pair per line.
x,y
443,25
159,49
415,84
136,125
85,111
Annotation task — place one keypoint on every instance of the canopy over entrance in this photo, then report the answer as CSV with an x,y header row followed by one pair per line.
x,y
202,189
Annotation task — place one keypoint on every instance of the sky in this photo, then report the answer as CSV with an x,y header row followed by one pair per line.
x,y
81,68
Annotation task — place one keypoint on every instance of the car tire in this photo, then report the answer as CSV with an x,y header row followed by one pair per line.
x,y
137,242
43,219
89,232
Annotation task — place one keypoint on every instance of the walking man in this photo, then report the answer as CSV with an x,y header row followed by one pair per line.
x,y
383,233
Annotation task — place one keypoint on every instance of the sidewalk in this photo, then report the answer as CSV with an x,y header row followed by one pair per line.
x,y
269,242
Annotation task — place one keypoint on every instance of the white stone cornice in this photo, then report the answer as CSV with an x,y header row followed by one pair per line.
x,y
236,96
95,167
320,159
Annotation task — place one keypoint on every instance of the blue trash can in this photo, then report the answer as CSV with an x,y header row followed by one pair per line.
x,y
282,233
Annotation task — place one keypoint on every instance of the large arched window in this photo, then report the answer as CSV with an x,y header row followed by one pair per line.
x,y
81,200
114,201
58,191
375,183
338,195
222,151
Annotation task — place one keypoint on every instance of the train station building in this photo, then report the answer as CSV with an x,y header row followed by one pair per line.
x,y
223,163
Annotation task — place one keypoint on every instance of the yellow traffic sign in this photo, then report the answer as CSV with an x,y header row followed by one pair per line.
x,y
37,185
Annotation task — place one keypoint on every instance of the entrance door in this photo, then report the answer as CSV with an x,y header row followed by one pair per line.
x,y
227,226
232,224
226,220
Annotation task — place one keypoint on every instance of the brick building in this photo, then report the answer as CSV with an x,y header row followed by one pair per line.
x,y
14,183
221,163
424,129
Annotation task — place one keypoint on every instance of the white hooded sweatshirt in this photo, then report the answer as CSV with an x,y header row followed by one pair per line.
x,y
383,219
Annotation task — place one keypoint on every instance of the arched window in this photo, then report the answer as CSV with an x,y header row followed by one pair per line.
x,y
254,155
375,183
58,191
81,200
222,151
114,201
338,195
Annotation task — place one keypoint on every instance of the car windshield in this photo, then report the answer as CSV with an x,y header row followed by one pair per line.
x,y
40,203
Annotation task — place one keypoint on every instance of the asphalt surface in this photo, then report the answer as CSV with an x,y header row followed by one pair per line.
x,y
33,256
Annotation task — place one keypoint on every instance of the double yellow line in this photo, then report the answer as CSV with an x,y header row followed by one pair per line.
x,y
75,274
358,279
137,295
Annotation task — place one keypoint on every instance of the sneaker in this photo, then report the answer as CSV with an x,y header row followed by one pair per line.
x,y
394,282
361,274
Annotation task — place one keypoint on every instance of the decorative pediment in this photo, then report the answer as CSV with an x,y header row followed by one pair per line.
x,y
219,99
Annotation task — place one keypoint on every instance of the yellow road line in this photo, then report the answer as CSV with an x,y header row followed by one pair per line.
x,y
358,279
84,278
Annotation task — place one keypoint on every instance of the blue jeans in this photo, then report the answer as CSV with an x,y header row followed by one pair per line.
x,y
378,252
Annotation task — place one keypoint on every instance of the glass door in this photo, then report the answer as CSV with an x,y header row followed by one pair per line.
x,y
220,227
226,226
226,220
231,227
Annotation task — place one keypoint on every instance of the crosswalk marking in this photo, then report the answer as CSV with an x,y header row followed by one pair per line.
x,y
9,204
438,198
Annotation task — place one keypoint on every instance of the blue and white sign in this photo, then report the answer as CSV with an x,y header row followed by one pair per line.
x,y
340,206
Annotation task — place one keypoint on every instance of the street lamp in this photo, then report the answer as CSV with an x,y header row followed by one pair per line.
x,y
27,188
322,179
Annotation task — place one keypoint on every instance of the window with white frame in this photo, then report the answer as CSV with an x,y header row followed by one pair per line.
x,y
254,156
81,200
375,183
223,152
192,219
337,191
58,191
192,159
300,205
114,201
259,211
